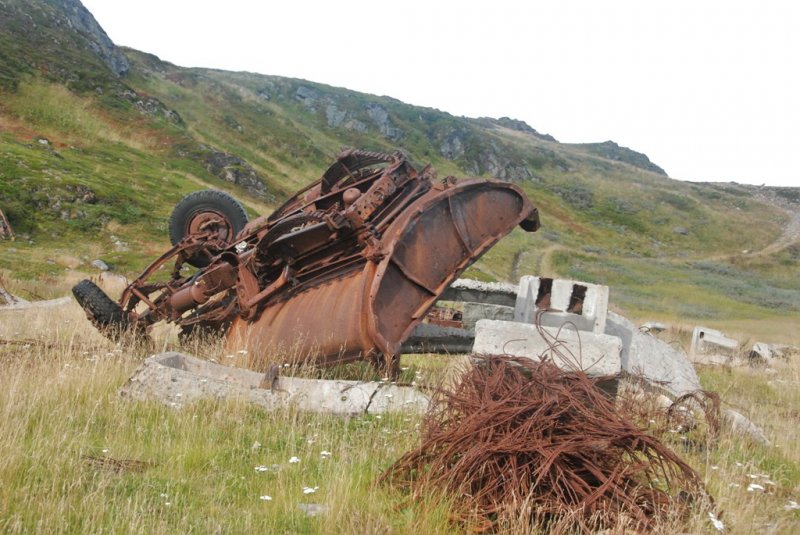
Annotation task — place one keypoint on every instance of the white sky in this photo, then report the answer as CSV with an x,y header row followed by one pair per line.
x,y
708,89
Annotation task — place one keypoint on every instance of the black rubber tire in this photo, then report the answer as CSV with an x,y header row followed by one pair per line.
x,y
106,313
202,201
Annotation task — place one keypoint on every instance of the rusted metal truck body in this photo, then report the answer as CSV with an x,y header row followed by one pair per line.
x,y
344,270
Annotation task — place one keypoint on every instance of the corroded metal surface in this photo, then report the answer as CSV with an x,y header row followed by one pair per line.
x,y
343,270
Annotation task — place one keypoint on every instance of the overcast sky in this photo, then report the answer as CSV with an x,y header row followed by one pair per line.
x,y
709,90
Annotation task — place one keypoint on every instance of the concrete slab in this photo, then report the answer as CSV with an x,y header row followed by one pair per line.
x,y
176,379
596,354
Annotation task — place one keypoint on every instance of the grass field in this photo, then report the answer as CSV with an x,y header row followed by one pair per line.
x,y
76,458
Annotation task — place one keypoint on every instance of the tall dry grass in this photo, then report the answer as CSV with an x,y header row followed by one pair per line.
x,y
75,457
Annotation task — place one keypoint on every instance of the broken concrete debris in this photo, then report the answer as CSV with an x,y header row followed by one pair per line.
x,y
176,379
573,309
707,341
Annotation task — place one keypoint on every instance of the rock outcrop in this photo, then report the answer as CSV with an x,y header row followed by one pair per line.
x,y
234,169
80,19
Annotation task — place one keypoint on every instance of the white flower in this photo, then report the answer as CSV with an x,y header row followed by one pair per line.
x,y
266,498
262,468
310,490
792,506
714,467
294,460
325,454
716,522
754,487
105,450
163,495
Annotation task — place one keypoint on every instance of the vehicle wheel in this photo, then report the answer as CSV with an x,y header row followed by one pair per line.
x,y
206,210
104,313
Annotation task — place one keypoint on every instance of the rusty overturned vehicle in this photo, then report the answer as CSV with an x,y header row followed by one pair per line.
x,y
344,270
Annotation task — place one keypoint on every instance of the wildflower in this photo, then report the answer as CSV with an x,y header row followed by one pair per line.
x,y
294,460
752,487
310,490
716,522
262,468
325,454
714,467
792,506
266,498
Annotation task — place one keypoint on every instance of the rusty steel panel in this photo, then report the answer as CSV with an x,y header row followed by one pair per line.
x,y
345,269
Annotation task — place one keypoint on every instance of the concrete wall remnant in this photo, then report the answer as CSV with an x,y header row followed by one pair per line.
x,y
581,303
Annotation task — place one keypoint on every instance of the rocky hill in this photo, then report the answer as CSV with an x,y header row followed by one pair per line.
x,y
98,142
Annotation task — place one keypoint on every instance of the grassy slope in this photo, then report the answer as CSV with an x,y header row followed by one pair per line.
x,y
604,221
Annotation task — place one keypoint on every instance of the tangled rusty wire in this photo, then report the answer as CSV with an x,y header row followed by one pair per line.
x,y
524,439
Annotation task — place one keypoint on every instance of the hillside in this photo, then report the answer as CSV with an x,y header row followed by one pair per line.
x,y
98,142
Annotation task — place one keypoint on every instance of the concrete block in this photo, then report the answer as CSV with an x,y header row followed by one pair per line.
x,y
596,354
472,291
705,340
581,303
645,356
176,379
